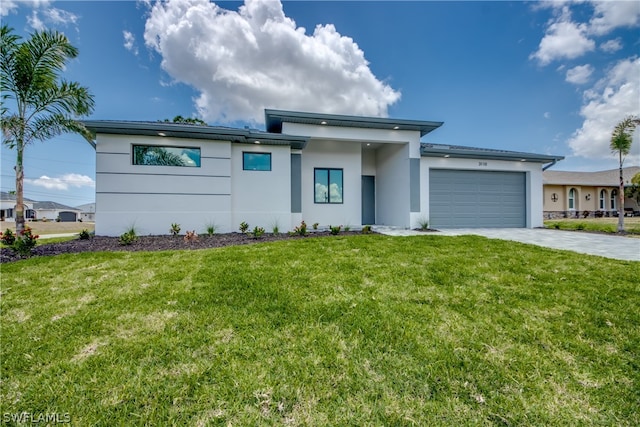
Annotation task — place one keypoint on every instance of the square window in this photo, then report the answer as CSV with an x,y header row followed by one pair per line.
x,y
256,161
328,185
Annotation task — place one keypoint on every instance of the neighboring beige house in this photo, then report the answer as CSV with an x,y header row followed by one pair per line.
x,y
573,194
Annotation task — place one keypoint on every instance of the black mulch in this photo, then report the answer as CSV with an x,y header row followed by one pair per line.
x,y
152,243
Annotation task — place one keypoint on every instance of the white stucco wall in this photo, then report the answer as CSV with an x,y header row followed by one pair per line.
x,y
533,171
353,134
261,198
392,185
345,155
150,198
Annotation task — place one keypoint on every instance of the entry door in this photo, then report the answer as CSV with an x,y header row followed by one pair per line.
x,y
368,200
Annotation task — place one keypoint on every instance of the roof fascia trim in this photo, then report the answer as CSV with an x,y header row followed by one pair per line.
x,y
275,118
481,154
242,136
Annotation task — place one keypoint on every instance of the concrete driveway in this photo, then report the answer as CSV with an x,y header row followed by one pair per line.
x,y
608,246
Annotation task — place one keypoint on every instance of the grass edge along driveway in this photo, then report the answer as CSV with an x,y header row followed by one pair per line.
x,y
358,330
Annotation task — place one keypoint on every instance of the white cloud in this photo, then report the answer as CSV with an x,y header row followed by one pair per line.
x,y
611,46
579,75
609,15
242,62
130,42
57,16
563,39
63,182
10,6
610,100
35,22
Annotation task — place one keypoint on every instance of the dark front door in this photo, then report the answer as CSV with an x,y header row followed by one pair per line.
x,y
368,200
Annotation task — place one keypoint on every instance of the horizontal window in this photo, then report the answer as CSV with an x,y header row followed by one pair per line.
x,y
166,156
328,185
256,161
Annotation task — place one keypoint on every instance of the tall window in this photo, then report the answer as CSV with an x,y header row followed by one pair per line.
x,y
155,155
614,197
603,200
572,199
327,185
256,161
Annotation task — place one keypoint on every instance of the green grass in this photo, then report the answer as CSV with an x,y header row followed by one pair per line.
x,y
344,330
603,225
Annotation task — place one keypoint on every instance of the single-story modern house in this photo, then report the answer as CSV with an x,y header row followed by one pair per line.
x,y
87,212
35,210
321,168
8,207
54,211
576,194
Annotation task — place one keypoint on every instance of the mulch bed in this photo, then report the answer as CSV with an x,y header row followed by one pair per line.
x,y
153,243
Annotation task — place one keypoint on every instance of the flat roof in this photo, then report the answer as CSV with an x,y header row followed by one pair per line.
x,y
275,118
179,130
459,151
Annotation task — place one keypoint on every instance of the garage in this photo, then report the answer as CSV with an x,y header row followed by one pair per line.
x,y
67,216
477,199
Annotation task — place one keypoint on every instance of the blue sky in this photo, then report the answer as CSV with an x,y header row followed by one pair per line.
x,y
542,77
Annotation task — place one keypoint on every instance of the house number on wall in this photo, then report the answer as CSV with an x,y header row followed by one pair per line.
x,y
482,163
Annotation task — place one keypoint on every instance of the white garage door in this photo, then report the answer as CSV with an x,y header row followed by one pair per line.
x,y
477,199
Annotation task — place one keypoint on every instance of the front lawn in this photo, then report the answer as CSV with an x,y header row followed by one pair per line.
x,y
343,330
603,225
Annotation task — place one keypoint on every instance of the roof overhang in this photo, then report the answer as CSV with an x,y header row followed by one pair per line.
x,y
275,118
177,130
438,150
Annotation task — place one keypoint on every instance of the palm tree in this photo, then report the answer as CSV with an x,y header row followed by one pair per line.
x,y
621,139
44,105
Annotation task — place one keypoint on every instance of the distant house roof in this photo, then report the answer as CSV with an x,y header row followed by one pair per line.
x,y
6,196
47,205
608,178
87,207
275,118
459,151
179,130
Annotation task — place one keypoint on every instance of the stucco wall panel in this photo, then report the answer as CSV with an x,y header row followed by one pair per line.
x,y
262,198
340,155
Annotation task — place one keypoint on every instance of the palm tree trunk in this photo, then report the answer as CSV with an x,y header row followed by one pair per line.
x,y
621,199
19,190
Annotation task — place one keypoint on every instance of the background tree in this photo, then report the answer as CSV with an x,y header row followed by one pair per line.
x,y
621,140
187,121
40,104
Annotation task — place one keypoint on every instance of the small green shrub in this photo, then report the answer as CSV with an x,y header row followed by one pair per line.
x,y
366,229
244,227
84,234
175,229
315,225
8,237
128,237
335,229
423,224
211,229
257,232
25,242
347,228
